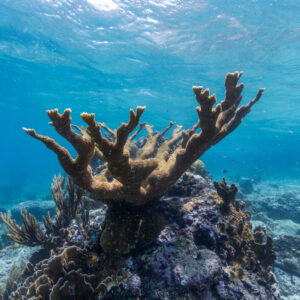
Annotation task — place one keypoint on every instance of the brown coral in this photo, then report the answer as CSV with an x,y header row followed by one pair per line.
x,y
155,167
29,234
244,247
68,275
227,194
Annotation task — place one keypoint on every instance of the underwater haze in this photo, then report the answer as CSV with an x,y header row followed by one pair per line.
x,y
106,56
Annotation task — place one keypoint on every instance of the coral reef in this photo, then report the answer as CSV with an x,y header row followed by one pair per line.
x,y
274,204
198,168
166,234
227,194
15,276
139,178
186,260
287,265
287,247
13,257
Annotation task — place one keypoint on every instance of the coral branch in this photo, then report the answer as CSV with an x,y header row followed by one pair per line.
x,y
226,193
133,136
29,234
79,167
152,142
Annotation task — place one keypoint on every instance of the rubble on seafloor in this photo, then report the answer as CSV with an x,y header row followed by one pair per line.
x,y
200,251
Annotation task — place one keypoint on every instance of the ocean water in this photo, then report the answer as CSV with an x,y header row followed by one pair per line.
x,y
106,56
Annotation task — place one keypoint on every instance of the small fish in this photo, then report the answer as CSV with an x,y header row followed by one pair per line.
x,y
223,171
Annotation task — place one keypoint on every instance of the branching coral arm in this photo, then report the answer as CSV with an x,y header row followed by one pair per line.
x,y
133,136
79,167
152,142
110,132
215,123
218,122
237,118
128,174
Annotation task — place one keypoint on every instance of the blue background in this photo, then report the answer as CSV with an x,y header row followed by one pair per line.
x,y
108,56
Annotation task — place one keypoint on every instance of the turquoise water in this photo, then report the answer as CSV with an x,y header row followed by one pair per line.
x,y
108,56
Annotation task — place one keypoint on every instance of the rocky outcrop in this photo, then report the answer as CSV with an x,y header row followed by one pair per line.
x,y
202,252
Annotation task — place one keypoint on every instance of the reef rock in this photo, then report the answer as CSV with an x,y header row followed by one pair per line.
x,y
198,251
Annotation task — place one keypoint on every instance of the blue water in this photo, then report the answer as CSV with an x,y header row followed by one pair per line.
x,y
106,56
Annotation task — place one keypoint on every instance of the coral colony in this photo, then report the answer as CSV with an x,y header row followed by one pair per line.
x,y
94,258
137,177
